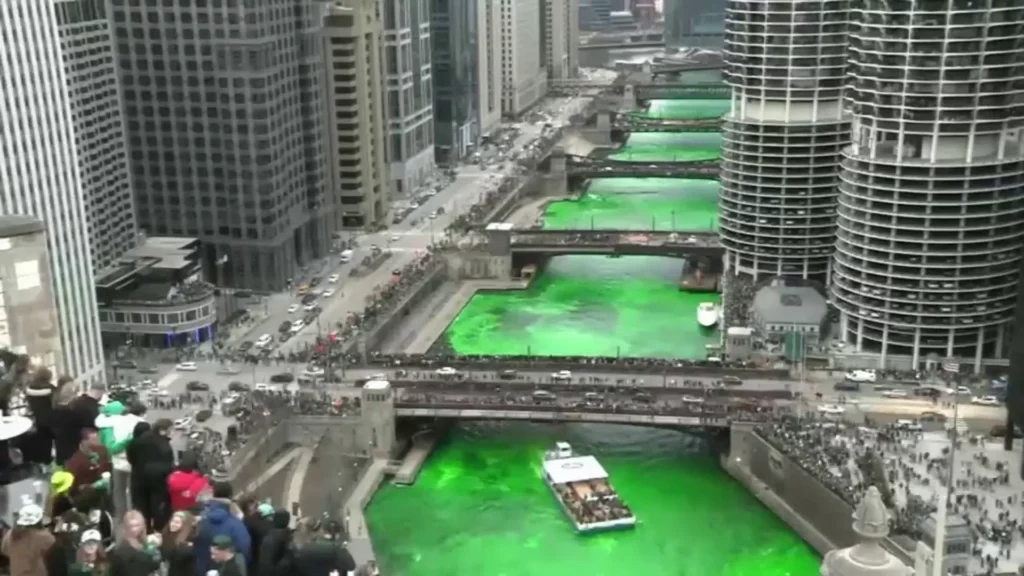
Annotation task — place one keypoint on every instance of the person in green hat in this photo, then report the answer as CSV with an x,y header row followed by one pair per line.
x,y
225,561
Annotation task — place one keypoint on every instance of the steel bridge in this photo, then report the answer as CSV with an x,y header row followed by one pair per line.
x,y
635,123
616,242
585,167
679,91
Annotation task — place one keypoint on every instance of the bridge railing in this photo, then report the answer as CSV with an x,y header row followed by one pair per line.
x,y
722,393
720,417
581,364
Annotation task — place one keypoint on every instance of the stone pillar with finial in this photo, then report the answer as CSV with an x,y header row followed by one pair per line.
x,y
868,557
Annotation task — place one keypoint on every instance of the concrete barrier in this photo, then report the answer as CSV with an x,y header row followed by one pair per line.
x,y
556,363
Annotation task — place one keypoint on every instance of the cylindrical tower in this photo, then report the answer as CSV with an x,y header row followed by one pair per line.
x,y
786,63
931,216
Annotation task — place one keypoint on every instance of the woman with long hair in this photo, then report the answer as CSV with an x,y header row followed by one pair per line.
x,y
177,545
91,559
28,544
134,554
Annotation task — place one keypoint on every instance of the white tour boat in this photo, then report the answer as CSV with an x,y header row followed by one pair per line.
x,y
581,487
707,314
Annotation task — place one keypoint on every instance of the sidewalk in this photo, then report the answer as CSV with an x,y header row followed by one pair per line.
x,y
359,542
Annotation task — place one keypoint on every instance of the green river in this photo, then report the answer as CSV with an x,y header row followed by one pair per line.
x,y
480,507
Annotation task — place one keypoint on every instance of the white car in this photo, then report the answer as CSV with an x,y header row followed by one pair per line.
x,y
146,383
328,293
895,394
561,375
692,400
297,325
313,371
985,400
187,367
182,423
333,278
260,387
908,425
862,376
264,340
831,409
293,308
309,307
446,371
395,237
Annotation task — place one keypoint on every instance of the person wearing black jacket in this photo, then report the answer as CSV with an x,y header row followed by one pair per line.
x,y
177,548
155,458
276,550
257,518
37,445
325,554
71,419
133,454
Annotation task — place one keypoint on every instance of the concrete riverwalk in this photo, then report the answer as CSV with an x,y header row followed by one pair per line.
x,y
430,330
360,543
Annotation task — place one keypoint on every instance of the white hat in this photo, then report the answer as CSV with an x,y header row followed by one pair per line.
x,y
30,515
91,536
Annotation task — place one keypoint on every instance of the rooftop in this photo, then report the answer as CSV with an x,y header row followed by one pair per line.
x,y
377,385
780,304
155,253
577,469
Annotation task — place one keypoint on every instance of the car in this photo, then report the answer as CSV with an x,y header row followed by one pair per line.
x,y
962,391
186,367
931,416
145,383
297,325
847,386
561,375
204,415
197,386
283,378
396,272
228,370
985,401
147,370
508,375
395,237
895,394
261,387
293,308
831,409
999,431
446,371
909,425
126,365
310,307
183,423
928,392
308,298
692,399
328,293
862,376
237,386
264,340
245,345
333,278
313,371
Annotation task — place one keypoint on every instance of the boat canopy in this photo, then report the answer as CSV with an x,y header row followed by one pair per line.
x,y
578,469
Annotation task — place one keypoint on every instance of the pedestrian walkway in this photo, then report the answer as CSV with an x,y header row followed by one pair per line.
x,y
359,541
432,329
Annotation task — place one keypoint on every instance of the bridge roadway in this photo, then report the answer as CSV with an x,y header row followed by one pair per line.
x,y
634,123
616,242
603,168
661,407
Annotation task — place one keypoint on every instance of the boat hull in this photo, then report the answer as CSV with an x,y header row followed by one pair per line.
x,y
593,527
707,318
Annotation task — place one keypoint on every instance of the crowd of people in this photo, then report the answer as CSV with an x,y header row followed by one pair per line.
x,y
167,513
592,502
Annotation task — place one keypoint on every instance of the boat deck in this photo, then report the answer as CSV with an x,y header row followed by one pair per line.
x,y
592,502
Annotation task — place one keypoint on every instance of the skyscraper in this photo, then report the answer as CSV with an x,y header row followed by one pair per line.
x,y
357,172
694,23
40,171
523,76
410,92
781,142
224,105
454,34
931,220
489,64
87,48
560,37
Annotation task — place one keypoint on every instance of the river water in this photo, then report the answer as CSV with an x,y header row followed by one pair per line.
x,y
480,508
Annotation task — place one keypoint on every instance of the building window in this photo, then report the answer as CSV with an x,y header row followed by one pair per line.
x,y
27,274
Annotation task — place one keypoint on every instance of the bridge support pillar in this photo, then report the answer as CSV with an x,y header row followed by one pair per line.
x,y
629,97
555,182
377,422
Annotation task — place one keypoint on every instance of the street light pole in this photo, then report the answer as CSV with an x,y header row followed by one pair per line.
x,y
952,368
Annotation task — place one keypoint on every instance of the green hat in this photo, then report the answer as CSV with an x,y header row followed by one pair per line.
x,y
223,542
113,408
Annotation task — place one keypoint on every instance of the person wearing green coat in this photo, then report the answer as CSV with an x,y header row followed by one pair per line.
x,y
116,427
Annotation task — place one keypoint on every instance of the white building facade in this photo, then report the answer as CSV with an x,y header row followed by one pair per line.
x,y
409,87
40,173
560,38
523,75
